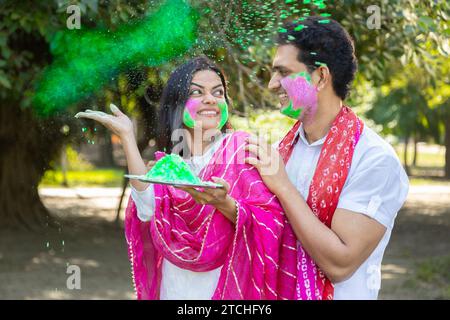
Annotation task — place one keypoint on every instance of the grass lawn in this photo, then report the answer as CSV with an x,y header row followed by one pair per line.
x,y
92,178
427,155
429,170
113,178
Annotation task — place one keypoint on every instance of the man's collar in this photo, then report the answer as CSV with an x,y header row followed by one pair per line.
x,y
302,134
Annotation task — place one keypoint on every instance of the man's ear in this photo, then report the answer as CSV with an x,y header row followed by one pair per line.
x,y
324,77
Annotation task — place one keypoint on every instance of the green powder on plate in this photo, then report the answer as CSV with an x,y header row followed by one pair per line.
x,y
172,168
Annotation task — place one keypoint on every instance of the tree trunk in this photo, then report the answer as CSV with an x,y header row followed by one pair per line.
x,y
64,166
28,145
447,147
414,163
405,155
106,149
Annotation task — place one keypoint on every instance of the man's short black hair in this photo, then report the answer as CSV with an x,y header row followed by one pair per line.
x,y
323,40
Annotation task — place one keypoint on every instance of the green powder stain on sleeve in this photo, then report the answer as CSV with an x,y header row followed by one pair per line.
x,y
172,168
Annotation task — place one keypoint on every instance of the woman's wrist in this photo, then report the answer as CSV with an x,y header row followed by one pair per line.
x,y
128,139
228,208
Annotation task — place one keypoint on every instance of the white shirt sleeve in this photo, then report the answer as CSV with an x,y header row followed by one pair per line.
x,y
275,145
145,202
378,188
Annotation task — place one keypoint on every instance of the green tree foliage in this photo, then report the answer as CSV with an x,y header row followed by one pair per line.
x,y
403,78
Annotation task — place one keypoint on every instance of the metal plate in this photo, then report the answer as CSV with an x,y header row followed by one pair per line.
x,y
211,185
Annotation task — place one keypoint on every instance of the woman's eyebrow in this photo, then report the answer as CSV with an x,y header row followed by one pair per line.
x,y
195,84
216,86
219,85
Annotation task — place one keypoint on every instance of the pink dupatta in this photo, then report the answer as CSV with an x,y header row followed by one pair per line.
x,y
258,255
199,238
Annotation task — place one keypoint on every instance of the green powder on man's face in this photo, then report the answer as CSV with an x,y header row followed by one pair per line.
x,y
172,168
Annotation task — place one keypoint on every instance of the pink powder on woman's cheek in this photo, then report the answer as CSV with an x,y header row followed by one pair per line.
x,y
192,106
302,94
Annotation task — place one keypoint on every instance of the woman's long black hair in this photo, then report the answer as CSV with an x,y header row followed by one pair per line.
x,y
175,95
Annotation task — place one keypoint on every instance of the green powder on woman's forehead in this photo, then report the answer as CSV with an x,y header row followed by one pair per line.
x,y
172,168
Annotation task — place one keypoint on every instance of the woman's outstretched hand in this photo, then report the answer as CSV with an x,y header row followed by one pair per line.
x,y
122,126
117,122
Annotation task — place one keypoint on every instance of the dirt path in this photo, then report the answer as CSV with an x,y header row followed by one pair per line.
x,y
33,266
416,264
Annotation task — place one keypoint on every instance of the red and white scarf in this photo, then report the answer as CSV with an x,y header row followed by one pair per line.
x,y
326,186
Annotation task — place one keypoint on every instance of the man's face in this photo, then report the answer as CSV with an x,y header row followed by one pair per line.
x,y
284,64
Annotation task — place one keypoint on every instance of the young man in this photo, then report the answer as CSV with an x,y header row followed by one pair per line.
x,y
340,184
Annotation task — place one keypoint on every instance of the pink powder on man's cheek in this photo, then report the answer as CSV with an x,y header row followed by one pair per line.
x,y
192,106
302,94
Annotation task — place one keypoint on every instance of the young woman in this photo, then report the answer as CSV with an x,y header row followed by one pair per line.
x,y
185,243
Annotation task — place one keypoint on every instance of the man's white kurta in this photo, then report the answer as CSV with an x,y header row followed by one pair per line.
x,y
376,186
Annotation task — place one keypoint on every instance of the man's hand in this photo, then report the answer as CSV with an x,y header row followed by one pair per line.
x,y
217,197
269,164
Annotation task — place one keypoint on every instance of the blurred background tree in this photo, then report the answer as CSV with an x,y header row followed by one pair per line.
x,y
402,84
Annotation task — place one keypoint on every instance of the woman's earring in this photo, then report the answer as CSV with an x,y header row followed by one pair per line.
x,y
319,87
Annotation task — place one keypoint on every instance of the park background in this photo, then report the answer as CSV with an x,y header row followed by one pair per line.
x,y
62,189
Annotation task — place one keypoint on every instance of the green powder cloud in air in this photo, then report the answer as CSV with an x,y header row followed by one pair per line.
x,y
86,60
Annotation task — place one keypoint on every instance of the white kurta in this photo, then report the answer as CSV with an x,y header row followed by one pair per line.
x,y
376,186
177,283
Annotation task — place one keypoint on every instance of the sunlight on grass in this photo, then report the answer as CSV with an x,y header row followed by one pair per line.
x,y
430,159
436,270
427,155
99,177
417,181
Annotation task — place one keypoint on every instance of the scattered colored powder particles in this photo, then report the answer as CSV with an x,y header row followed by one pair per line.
x,y
172,168
324,21
319,4
300,27
79,71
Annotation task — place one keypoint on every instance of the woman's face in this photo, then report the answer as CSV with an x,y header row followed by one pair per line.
x,y
206,107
